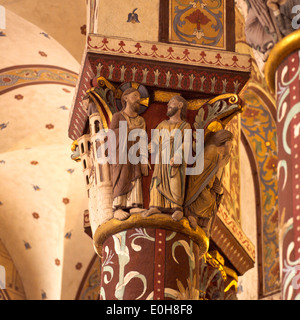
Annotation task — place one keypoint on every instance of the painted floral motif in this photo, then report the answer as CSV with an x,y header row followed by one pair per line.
x,y
68,235
35,215
19,97
42,53
83,29
23,75
288,124
197,23
27,245
49,126
36,188
66,200
133,17
260,130
43,295
78,266
190,292
63,108
3,125
46,35
120,271
198,18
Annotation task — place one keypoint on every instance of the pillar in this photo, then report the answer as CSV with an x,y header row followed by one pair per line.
x,y
153,258
282,73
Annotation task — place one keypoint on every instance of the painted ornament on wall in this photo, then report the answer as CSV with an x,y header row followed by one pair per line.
x,y
198,22
133,17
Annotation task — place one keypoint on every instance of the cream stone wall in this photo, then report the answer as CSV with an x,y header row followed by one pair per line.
x,y
248,283
24,43
113,16
63,20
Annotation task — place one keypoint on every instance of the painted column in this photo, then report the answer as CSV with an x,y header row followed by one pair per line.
x,y
283,76
149,259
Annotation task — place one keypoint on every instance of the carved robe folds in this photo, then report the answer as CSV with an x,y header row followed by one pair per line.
x,y
168,183
126,178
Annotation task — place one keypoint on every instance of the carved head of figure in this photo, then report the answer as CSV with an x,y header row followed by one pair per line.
x,y
88,105
131,99
222,139
175,104
85,103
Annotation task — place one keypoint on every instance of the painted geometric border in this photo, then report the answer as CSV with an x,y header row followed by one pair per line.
x,y
22,75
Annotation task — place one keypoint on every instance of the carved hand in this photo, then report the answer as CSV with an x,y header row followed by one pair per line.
x,y
217,187
273,5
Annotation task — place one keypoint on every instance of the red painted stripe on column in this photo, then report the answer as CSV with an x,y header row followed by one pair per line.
x,y
293,67
159,267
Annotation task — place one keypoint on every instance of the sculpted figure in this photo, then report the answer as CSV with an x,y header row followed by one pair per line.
x,y
168,181
127,177
284,14
203,190
260,28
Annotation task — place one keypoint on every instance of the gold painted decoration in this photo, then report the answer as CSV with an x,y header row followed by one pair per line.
x,y
200,23
164,96
99,107
104,82
75,151
216,113
196,104
214,262
214,126
164,221
74,145
231,284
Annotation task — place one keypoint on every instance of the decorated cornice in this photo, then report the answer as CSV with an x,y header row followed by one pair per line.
x,y
166,52
233,242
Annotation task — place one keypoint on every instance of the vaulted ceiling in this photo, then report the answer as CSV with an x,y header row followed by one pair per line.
x,y
63,20
42,199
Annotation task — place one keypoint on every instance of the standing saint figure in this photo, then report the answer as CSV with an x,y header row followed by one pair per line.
x,y
204,191
168,181
127,175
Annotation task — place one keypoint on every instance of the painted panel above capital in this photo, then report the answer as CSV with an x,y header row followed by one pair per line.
x,y
200,23
134,19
